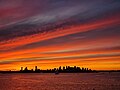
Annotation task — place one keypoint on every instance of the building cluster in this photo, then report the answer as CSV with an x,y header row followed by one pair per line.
x,y
66,69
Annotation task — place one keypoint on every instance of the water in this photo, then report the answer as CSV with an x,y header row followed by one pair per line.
x,y
73,81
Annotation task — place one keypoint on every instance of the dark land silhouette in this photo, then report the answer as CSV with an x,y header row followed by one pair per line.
x,y
64,69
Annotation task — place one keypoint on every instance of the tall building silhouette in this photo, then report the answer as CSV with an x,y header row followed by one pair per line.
x,y
36,68
21,69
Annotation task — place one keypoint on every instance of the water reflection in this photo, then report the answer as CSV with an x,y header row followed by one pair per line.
x,y
76,81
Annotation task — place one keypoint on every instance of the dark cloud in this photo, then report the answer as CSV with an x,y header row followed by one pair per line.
x,y
88,36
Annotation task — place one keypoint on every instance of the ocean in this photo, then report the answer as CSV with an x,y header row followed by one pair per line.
x,y
62,81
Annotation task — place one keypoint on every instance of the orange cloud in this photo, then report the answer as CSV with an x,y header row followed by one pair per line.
x,y
73,29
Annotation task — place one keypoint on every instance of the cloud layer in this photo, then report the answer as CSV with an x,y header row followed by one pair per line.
x,y
66,32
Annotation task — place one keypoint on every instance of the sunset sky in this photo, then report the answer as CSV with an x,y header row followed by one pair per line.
x,y
53,33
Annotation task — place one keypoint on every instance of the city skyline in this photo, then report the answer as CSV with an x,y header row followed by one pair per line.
x,y
60,69
53,33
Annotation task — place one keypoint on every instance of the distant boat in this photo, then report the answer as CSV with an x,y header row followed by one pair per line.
x,y
56,72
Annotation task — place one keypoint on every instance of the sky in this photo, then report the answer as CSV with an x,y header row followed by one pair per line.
x,y
53,33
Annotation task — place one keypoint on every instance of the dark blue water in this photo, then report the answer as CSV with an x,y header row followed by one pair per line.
x,y
81,81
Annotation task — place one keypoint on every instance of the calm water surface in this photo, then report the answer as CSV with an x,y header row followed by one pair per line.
x,y
81,81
